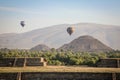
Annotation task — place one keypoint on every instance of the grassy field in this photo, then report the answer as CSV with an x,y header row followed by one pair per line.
x,y
59,69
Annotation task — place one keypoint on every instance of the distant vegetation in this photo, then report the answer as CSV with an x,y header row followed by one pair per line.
x,y
54,57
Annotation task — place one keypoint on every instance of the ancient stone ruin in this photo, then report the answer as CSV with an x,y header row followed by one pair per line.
x,y
59,76
109,62
22,62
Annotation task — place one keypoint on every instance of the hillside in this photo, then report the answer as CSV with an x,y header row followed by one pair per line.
x,y
85,43
56,35
40,47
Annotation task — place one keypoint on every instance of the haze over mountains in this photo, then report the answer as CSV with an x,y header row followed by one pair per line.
x,y
55,36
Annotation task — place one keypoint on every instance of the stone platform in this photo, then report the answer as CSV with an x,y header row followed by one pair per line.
x,y
22,62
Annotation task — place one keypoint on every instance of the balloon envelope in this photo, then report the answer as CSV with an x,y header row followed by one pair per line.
x,y
70,30
22,23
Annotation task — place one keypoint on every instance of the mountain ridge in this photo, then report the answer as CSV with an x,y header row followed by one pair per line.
x,y
56,35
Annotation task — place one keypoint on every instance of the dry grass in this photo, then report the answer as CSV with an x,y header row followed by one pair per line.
x,y
59,69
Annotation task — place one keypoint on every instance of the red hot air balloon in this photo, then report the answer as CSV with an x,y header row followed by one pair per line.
x,y
70,30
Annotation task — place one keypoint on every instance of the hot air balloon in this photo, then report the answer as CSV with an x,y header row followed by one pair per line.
x,y
22,23
70,30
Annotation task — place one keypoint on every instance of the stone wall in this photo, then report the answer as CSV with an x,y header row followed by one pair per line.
x,y
7,62
110,62
35,62
66,76
118,76
59,76
22,62
19,62
8,76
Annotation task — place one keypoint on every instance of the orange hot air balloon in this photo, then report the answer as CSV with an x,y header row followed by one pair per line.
x,y
70,30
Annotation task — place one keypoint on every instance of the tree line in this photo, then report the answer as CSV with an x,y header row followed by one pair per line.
x,y
54,57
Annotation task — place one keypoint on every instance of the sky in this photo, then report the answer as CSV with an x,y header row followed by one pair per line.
x,y
44,13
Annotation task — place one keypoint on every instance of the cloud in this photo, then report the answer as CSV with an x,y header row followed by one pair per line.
x,y
18,10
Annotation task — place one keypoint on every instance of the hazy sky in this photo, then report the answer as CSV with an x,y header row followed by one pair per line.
x,y
44,13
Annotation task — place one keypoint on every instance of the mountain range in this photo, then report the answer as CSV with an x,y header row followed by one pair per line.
x,y
55,36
